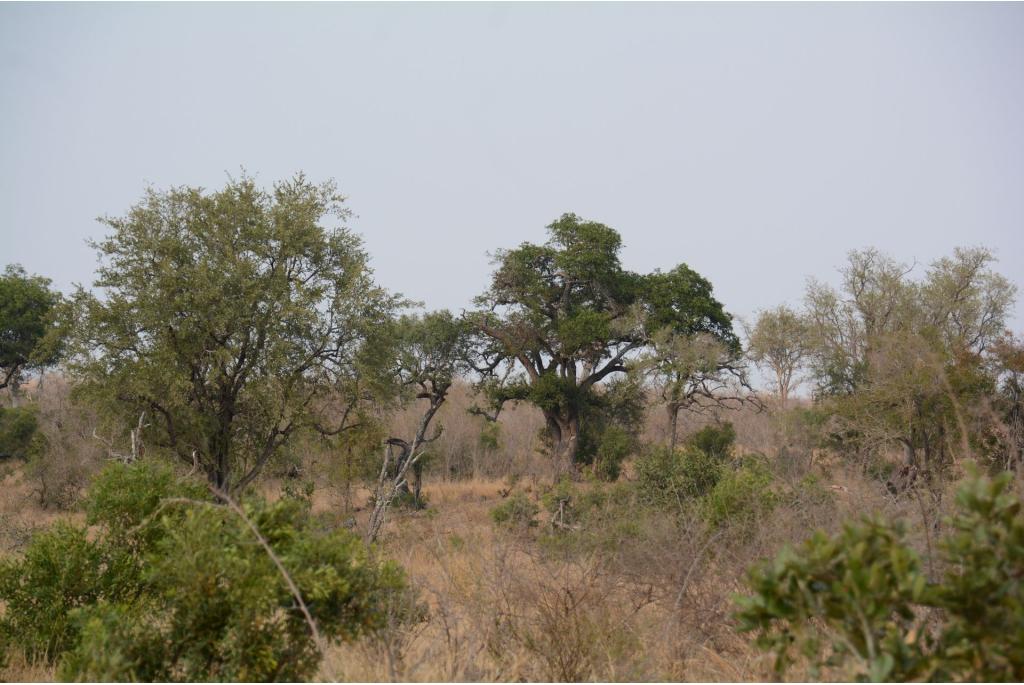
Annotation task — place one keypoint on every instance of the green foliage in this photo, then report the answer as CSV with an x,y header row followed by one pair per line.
x,y
703,475
568,314
861,599
616,444
233,319
714,440
598,517
61,570
175,587
490,436
610,425
222,611
740,495
516,512
28,336
123,500
64,568
983,591
18,436
671,477
430,350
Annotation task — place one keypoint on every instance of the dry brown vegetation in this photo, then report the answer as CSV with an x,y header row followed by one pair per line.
x,y
651,600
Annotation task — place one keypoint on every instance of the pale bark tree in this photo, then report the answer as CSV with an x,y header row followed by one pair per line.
x,y
779,342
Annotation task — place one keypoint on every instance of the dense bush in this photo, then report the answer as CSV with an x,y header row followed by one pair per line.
x,y
61,570
176,587
18,427
671,477
862,600
666,476
740,495
716,441
516,512
616,444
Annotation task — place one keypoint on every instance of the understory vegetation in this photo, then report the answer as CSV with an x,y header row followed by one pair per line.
x,y
237,457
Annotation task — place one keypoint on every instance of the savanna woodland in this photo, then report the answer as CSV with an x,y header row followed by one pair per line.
x,y
237,457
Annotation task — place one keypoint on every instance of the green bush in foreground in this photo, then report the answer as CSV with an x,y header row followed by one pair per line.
x,y
861,600
176,587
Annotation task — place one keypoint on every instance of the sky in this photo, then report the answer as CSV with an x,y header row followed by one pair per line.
x,y
758,143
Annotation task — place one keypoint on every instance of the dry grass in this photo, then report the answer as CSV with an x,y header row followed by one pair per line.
x,y
502,609
652,602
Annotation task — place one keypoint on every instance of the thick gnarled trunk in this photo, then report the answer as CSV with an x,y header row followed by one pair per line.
x,y
564,433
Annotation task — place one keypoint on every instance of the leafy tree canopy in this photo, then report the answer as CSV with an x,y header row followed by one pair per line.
x,y
27,335
567,315
229,317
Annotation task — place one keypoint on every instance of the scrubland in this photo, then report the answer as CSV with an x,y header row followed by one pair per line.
x,y
626,591
265,466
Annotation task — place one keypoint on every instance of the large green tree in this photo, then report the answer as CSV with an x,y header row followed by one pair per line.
x,y
567,316
27,334
233,319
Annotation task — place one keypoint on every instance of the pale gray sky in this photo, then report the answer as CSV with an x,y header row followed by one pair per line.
x,y
757,143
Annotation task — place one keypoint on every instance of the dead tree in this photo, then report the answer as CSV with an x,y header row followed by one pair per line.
x,y
137,446
394,471
431,351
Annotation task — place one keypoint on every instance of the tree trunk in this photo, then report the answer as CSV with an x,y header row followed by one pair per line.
x,y
220,467
909,454
564,432
417,483
673,422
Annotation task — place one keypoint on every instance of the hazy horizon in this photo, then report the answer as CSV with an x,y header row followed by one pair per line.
x,y
757,143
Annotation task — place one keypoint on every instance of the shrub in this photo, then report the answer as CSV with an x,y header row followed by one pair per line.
x,y
17,432
715,441
597,518
176,587
616,444
223,611
668,477
61,570
861,599
516,512
740,495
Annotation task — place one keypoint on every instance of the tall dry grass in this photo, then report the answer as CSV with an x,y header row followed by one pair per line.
x,y
650,602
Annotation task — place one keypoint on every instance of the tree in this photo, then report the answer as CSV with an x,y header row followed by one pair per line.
x,y
696,372
430,351
901,359
1008,352
778,342
28,337
876,298
568,316
229,318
